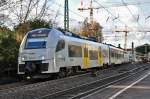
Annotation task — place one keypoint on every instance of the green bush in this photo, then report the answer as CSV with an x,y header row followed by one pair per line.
x,y
9,45
8,52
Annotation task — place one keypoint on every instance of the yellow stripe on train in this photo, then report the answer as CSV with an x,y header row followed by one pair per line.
x,y
85,57
100,57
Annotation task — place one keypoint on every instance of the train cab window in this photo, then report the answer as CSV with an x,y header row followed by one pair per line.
x,y
35,45
37,39
60,45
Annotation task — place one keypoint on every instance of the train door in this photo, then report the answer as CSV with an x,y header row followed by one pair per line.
x,y
100,57
59,59
85,56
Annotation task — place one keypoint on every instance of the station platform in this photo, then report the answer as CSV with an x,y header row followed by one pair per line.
x,y
136,87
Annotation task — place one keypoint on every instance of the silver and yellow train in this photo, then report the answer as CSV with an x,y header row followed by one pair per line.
x,y
44,52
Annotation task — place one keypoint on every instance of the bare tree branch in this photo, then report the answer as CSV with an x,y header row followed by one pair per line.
x,y
28,10
19,11
43,9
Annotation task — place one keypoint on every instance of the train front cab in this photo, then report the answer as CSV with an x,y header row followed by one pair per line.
x,y
37,53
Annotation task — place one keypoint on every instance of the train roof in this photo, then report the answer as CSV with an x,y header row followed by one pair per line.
x,y
78,38
112,46
66,33
81,40
75,37
40,29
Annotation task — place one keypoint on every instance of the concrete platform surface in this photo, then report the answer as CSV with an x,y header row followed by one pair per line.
x,y
136,87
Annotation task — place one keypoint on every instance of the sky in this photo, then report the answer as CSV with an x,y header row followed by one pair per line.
x,y
133,16
114,16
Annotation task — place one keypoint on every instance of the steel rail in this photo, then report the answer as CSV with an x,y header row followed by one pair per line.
x,y
87,85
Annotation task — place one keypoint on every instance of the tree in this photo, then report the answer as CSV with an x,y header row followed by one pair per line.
x,y
85,28
92,30
13,12
4,31
8,50
30,9
22,28
97,31
141,49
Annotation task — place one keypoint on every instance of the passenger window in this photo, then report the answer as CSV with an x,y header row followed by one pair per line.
x,y
75,51
60,45
93,54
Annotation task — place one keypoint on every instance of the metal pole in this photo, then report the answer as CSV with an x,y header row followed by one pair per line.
x,y
91,12
66,16
132,51
125,44
146,51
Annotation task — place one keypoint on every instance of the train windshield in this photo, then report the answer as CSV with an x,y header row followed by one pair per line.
x,y
35,43
37,39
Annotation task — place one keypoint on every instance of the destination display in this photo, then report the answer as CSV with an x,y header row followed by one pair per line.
x,y
38,34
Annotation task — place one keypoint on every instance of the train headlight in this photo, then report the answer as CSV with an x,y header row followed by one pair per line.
x,y
23,58
42,57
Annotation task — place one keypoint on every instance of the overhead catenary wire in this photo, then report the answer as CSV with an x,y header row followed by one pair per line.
x,y
69,9
138,3
125,44
145,18
119,5
109,12
133,15
131,12
62,14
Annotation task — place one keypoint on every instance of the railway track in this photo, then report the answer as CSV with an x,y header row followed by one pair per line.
x,y
13,85
88,88
101,87
59,86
